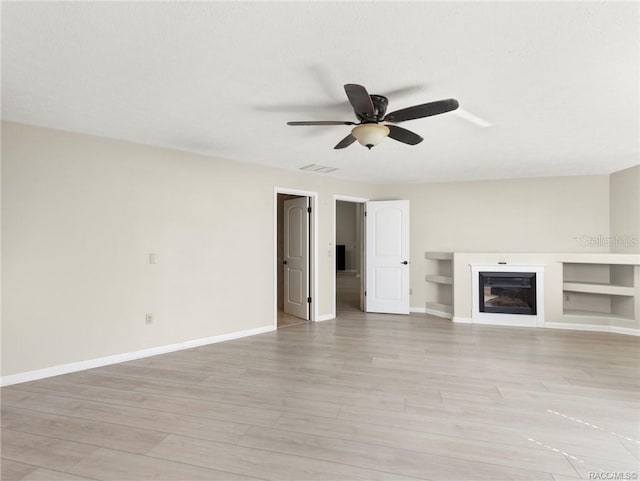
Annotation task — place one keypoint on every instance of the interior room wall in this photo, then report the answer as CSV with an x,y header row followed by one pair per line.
x,y
347,232
80,216
624,208
554,214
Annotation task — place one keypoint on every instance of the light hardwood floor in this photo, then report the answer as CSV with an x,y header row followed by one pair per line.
x,y
366,396
286,320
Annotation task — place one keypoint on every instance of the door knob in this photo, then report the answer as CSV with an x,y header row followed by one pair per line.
x,y
284,262
405,262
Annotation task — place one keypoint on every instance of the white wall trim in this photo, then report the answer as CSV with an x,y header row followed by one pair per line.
x,y
127,356
437,313
314,288
624,330
325,317
433,312
570,326
592,327
346,198
350,198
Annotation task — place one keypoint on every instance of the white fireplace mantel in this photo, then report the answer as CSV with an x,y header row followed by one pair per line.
x,y
507,319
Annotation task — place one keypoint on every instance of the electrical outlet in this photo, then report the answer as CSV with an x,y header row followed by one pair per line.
x,y
410,292
148,319
566,297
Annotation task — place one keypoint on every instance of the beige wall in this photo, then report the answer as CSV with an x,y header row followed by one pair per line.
x,y
522,215
80,215
625,210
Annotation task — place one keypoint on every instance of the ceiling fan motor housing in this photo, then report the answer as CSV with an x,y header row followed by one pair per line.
x,y
380,104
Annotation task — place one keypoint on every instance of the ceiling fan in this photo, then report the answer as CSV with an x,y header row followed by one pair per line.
x,y
370,110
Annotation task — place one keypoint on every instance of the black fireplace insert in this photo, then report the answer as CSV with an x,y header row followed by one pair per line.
x,y
508,292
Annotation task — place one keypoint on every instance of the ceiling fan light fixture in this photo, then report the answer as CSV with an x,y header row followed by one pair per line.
x,y
370,135
370,111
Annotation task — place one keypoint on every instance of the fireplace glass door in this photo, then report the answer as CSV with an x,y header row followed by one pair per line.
x,y
508,292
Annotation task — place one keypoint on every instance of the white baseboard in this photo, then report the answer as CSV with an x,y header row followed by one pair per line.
x,y
127,356
592,327
563,325
421,310
326,317
509,321
624,330
437,313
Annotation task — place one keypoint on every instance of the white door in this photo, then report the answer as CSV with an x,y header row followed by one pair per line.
x,y
296,257
387,260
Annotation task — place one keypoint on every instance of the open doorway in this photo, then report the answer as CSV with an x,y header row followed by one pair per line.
x,y
350,254
294,259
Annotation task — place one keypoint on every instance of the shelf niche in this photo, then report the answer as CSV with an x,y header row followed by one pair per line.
x,y
440,279
599,290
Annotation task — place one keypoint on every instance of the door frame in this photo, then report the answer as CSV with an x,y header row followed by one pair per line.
x,y
313,251
356,200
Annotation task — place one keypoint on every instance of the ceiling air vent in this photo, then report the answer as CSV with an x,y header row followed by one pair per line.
x,y
319,169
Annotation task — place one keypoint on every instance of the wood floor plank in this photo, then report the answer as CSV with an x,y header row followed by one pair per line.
x,y
184,405
127,369
162,422
13,470
92,433
493,451
42,474
259,397
41,451
301,387
261,463
515,418
387,459
106,464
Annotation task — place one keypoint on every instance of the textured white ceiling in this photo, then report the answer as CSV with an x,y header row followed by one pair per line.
x,y
559,81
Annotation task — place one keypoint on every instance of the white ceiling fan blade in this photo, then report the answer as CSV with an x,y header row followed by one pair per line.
x,y
474,119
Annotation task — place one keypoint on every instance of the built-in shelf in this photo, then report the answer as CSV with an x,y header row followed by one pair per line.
x,y
439,307
439,256
593,314
603,258
440,288
439,279
598,288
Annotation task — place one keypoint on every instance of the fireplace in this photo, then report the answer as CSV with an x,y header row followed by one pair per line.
x,y
507,292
